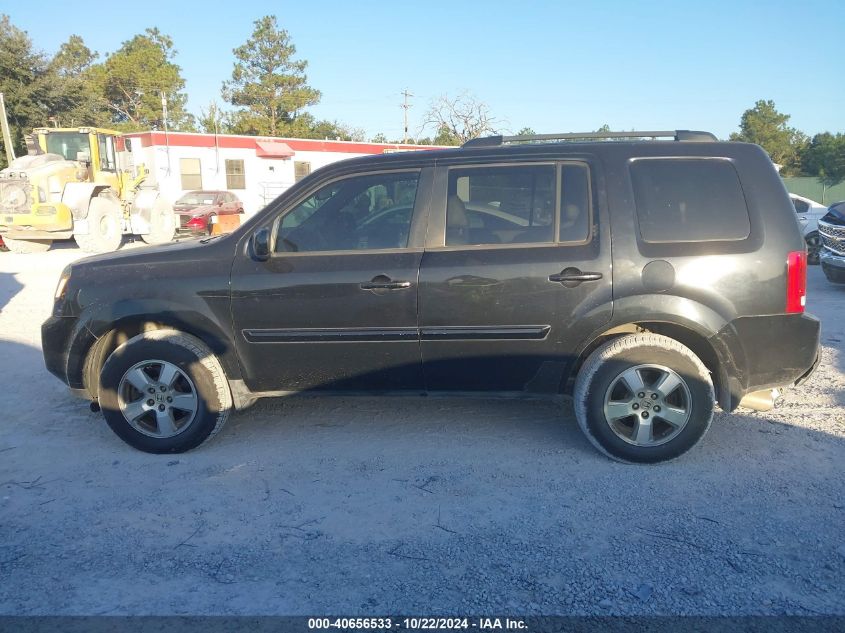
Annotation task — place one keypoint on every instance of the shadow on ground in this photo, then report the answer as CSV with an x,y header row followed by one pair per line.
x,y
9,287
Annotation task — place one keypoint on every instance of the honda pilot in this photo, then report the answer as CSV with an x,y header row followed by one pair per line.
x,y
650,280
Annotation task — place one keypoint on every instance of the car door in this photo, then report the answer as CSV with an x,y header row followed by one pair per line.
x,y
335,305
802,208
504,307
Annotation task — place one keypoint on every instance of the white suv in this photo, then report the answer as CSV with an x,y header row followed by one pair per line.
x,y
809,212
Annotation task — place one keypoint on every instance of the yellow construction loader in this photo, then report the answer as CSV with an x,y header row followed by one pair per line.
x,y
80,183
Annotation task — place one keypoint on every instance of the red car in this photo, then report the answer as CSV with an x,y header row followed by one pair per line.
x,y
197,208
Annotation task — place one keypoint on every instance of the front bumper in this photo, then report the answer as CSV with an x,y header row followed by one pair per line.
x,y
833,266
65,344
42,222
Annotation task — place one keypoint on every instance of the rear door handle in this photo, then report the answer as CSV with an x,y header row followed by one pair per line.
x,y
383,282
571,277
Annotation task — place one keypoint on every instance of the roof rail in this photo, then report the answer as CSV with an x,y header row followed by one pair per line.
x,y
678,135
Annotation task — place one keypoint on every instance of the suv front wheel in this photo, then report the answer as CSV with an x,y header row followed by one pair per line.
x,y
644,398
164,391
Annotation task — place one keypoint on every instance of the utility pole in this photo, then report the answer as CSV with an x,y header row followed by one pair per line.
x,y
405,105
166,136
7,137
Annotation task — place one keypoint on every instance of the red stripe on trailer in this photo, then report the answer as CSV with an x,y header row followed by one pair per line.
x,y
182,139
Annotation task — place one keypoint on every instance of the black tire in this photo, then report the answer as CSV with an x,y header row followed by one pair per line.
x,y
195,360
641,352
105,232
814,248
26,247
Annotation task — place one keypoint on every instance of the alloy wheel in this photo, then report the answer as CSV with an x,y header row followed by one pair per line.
x,y
157,398
647,405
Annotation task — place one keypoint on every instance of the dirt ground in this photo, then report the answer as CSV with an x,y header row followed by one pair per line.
x,y
411,505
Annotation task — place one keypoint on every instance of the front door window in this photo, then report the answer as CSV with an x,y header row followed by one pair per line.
x,y
362,213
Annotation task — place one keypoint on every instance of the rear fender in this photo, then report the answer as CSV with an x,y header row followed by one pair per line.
x,y
679,314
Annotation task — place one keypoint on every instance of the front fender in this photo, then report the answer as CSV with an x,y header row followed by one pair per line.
x,y
205,325
77,195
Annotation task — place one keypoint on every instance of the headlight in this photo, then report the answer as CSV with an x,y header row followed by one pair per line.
x,y
61,292
13,196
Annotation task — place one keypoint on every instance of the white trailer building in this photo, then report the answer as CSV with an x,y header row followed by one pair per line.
x,y
256,169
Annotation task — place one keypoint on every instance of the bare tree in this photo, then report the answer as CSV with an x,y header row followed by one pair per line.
x,y
458,120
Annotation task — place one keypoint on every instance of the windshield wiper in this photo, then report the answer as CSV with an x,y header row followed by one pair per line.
x,y
206,240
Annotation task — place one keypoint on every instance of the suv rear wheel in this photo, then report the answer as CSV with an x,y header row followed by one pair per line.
x,y
164,392
644,398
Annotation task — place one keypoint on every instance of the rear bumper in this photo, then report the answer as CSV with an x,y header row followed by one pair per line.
x,y
806,376
766,352
192,232
191,225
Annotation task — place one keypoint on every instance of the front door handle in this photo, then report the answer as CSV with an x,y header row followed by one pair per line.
x,y
571,277
383,282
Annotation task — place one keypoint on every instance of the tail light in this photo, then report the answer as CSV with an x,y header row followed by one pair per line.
x,y
796,281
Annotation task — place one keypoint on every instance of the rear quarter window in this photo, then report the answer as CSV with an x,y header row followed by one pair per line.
x,y
689,200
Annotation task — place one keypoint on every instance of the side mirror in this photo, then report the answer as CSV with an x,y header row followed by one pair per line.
x,y
83,157
261,244
127,143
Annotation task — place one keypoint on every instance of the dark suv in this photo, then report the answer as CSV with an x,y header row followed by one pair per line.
x,y
832,233
648,279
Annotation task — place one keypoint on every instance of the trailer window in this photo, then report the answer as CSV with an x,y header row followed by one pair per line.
x,y
301,169
235,175
191,172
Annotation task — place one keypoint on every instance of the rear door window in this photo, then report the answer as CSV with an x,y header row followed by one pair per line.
x,y
800,205
500,205
575,207
689,200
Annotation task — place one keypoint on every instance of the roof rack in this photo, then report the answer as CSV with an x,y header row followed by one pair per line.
x,y
678,135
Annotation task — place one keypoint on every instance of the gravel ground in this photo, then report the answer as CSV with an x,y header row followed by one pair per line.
x,y
412,505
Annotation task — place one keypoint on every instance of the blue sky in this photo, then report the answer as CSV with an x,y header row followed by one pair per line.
x,y
553,66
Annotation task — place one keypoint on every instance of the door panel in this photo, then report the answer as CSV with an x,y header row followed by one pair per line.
x,y
490,316
304,322
335,306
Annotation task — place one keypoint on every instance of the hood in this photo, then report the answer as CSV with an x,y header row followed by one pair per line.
x,y
153,256
835,214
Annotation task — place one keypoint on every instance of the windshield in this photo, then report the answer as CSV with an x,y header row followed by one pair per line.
x,y
67,144
196,197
